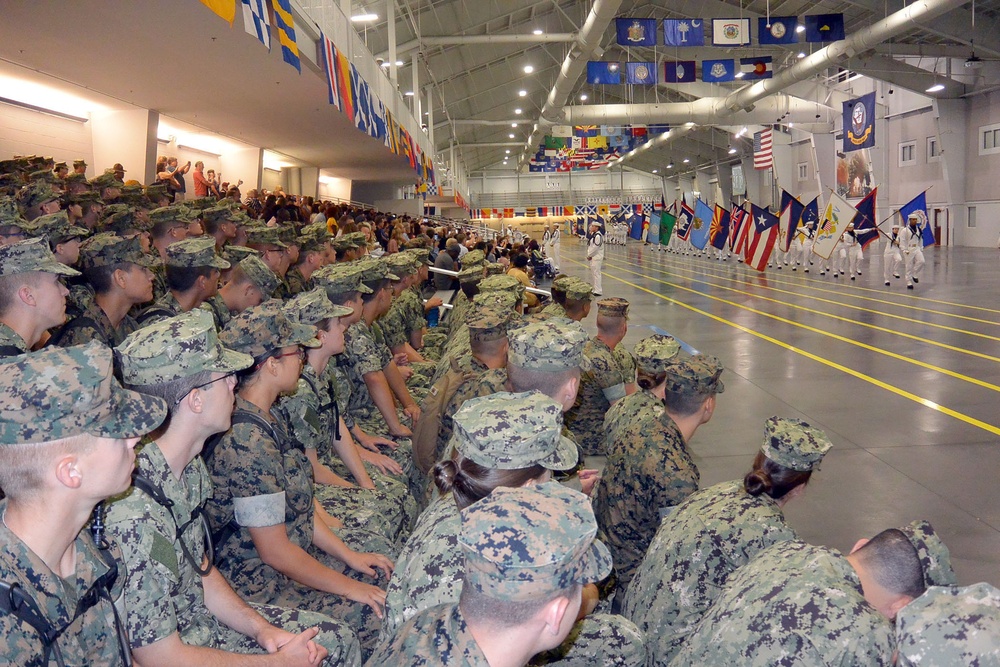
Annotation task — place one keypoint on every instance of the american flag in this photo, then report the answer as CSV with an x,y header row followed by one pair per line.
x,y
762,149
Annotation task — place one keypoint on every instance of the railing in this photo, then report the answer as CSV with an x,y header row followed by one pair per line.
x,y
454,274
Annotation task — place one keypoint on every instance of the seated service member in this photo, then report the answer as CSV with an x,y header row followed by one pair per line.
x,y
528,553
715,532
180,607
67,431
949,625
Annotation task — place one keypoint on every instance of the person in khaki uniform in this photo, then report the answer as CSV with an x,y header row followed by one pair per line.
x,y
180,607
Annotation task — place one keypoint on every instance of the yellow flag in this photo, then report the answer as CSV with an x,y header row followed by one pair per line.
x,y
224,8
602,210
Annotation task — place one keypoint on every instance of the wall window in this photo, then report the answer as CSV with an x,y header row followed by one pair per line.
x,y
803,171
972,216
989,139
933,149
907,153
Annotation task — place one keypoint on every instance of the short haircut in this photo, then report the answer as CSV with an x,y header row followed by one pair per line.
x,y
487,348
9,286
547,382
684,405
183,278
162,228
470,290
505,614
892,560
172,391
574,306
341,298
101,277
610,325
376,286
213,225
22,466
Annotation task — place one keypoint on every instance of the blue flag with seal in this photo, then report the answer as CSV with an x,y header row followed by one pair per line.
x,y
780,30
682,71
824,27
918,207
286,33
713,71
603,73
859,123
701,225
684,32
641,73
636,32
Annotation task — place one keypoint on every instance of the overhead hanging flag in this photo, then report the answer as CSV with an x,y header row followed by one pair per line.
x,y
714,71
859,123
682,71
824,27
603,73
756,68
342,71
762,157
641,73
839,213
780,31
255,21
286,33
918,207
225,9
636,32
329,53
719,233
864,222
730,32
762,234
684,32
562,131
586,130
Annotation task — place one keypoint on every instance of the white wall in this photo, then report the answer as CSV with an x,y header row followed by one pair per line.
x,y
334,188
27,132
242,164
270,179
128,137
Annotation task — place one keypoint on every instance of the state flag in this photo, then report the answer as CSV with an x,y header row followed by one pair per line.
x,y
701,226
685,220
682,71
684,32
738,229
781,30
864,222
612,130
719,233
715,71
636,32
918,207
788,219
667,222
839,213
754,69
824,27
730,32
586,130
562,131
641,73
603,73
762,234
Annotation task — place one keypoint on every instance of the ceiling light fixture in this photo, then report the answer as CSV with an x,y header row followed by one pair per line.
x,y
528,69
802,54
522,93
507,151
739,75
364,17
518,111
686,160
583,97
800,28
732,151
656,171
536,31
513,124
689,124
936,88
670,166
399,63
511,136
409,93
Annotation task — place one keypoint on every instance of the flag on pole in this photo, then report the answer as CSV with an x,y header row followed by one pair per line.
x,y
286,33
918,207
702,225
839,213
719,233
810,214
255,21
859,123
653,232
225,9
667,222
685,218
762,234
789,219
762,149
737,229
864,221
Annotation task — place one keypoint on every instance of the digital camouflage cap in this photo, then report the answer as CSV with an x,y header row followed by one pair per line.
x,y
401,264
340,279
614,306
506,431
471,275
420,254
36,194
935,559
487,324
794,444
531,543
60,392
107,249
234,254
578,290
547,346
264,236
374,269
655,354
177,347
31,255
56,226
951,626
473,258
265,328
260,274
107,180
314,306
195,252
494,269
502,283
698,375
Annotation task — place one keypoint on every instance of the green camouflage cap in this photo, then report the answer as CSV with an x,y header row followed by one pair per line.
x,y
156,192
135,196
204,204
10,214
951,626
794,444
696,375
56,226
613,306
43,176
473,258
578,290
260,274
495,269
373,269
311,243
287,234
499,300
73,177
420,254
173,213
487,323
87,198
31,255
316,229
530,543
264,236
177,347
550,346
314,306
400,264
108,249
340,278
265,328
195,252
234,254
418,243
506,431
14,166
341,244
503,283
471,275
36,194
107,180
215,213
80,162
654,354
124,221
935,559
60,392
357,238
561,284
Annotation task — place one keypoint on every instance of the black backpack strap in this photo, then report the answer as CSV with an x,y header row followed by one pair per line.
x,y
15,601
10,351
160,498
75,323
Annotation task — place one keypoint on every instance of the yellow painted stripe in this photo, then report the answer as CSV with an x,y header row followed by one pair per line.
x,y
835,303
995,430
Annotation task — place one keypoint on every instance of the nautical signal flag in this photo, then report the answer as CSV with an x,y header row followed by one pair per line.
x,y
684,32
859,123
757,68
714,71
603,73
286,33
777,30
641,73
225,9
730,32
682,71
255,21
824,27
762,149
636,32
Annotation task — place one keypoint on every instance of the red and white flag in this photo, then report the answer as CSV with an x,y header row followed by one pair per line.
x,y
762,149
762,235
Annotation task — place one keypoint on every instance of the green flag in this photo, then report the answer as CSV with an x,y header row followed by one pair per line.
x,y
667,221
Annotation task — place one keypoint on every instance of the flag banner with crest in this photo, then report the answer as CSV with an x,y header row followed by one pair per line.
x,y
788,219
667,222
685,220
730,32
918,207
715,71
603,73
641,73
777,30
682,71
636,32
701,226
838,214
859,123
762,234
865,225
684,32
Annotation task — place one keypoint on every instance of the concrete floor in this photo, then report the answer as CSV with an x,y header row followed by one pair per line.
x,y
904,382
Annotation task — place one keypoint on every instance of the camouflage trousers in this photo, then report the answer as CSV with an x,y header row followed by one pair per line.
x,y
336,637
598,639
365,509
365,541
393,488
434,342
403,454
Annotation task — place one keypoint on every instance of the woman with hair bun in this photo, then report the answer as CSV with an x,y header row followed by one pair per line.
x,y
716,531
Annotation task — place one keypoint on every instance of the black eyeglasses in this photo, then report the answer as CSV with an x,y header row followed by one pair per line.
x,y
300,351
203,385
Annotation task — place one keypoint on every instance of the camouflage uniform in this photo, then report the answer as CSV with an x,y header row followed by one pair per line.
x,y
296,282
11,344
197,252
219,310
793,605
604,382
951,626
